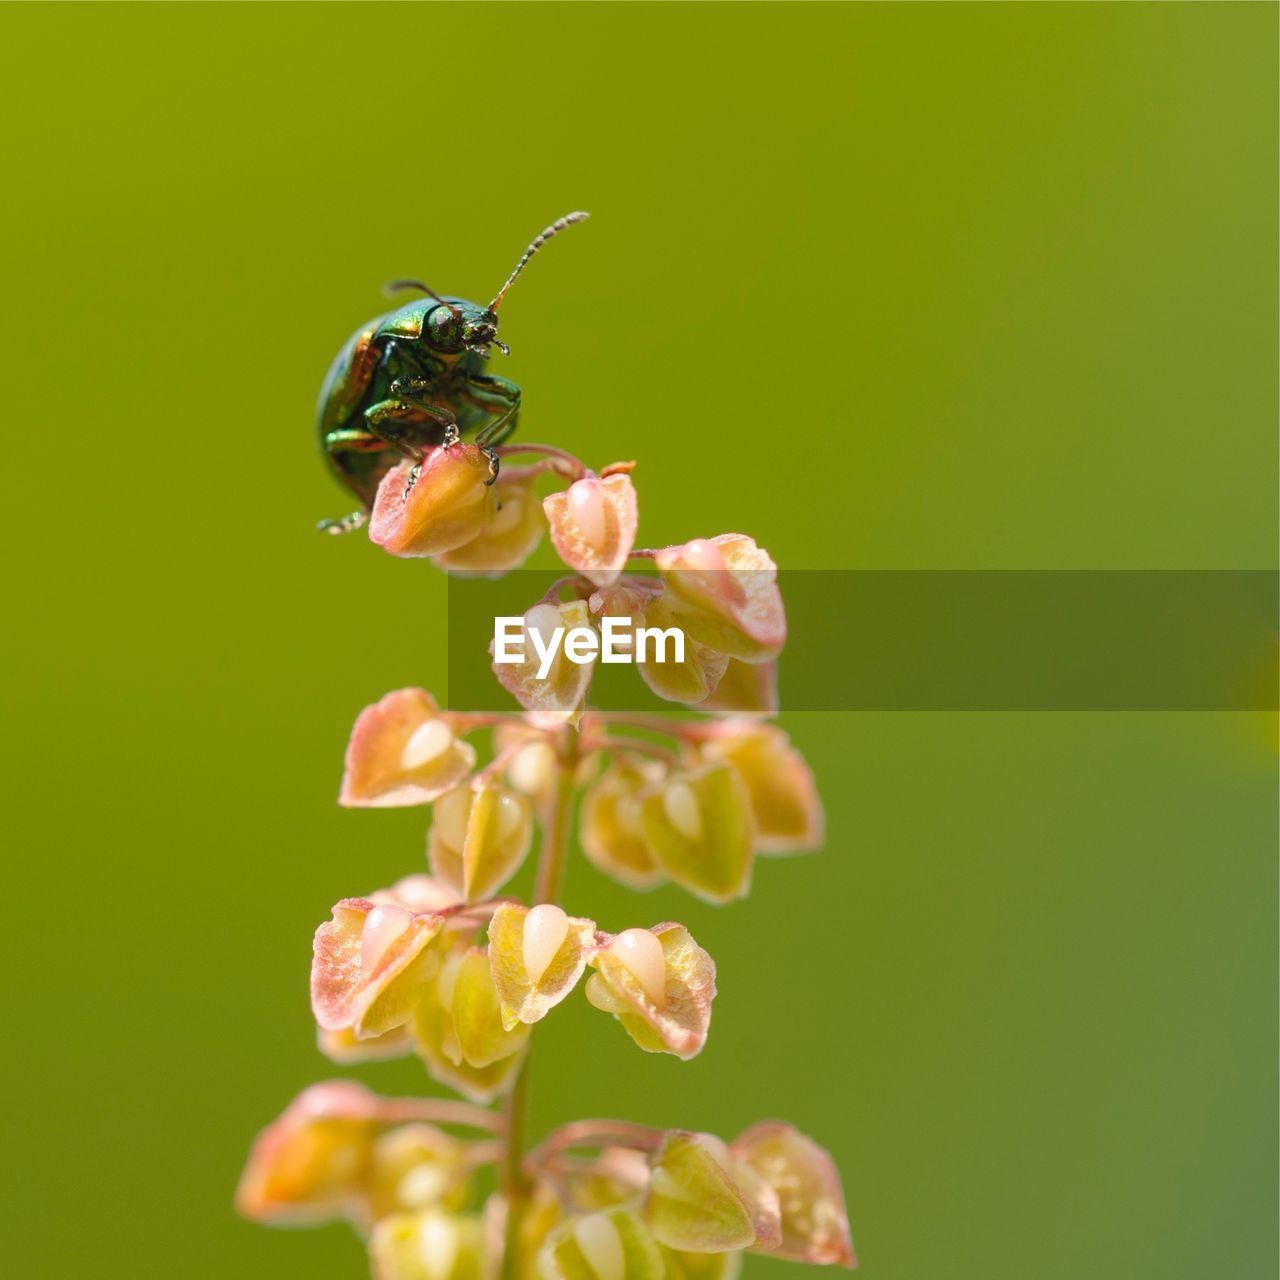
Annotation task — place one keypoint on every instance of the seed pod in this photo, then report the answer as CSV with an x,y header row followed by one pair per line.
x,y
369,966
536,957
814,1224
403,751
513,530
479,837
458,1019
725,591
434,1245
659,984
613,1245
310,1164
559,696
784,800
700,1199
698,825
449,504
593,525
612,825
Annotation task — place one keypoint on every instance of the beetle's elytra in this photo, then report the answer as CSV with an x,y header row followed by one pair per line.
x,y
416,377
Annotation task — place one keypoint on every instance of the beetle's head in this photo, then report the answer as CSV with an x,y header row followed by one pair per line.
x,y
454,325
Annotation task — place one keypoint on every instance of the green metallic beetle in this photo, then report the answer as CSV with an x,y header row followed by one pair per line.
x,y
415,378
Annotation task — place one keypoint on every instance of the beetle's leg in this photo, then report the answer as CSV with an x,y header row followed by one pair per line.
x,y
380,419
502,399
382,416
356,520
499,397
416,392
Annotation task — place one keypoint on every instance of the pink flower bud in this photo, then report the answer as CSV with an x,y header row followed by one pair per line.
x,y
536,956
403,751
814,1224
558,695
449,504
369,963
310,1164
725,592
659,984
593,525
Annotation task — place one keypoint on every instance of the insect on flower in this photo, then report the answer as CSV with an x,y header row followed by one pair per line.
x,y
416,377
441,966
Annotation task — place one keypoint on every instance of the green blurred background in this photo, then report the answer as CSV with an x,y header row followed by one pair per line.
x,y
888,286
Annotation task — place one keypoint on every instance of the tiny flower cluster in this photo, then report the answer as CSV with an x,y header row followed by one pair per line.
x,y
439,965
608,1200
694,809
721,592
404,970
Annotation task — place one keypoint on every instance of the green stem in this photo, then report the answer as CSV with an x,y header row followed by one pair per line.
x,y
551,860
555,828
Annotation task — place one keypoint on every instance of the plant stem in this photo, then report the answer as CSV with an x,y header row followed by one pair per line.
x,y
564,461
555,827
551,860
437,1111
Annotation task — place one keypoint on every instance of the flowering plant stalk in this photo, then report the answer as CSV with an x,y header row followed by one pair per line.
x,y
442,966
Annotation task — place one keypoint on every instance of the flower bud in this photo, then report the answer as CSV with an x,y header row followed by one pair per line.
x,y
310,1164
593,525
536,957
690,681
659,984
725,591
814,1225
416,1167
403,751
513,531
784,800
370,964
433,1245
483,1037
459,1014
700,1200
698,825
449,504
479,836
612,826
560,695
612,1245
418,893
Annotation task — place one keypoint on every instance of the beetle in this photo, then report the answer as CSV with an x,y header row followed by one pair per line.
x,y
415,378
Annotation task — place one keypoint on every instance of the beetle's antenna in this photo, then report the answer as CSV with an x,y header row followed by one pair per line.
x,y
538,241
394,286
